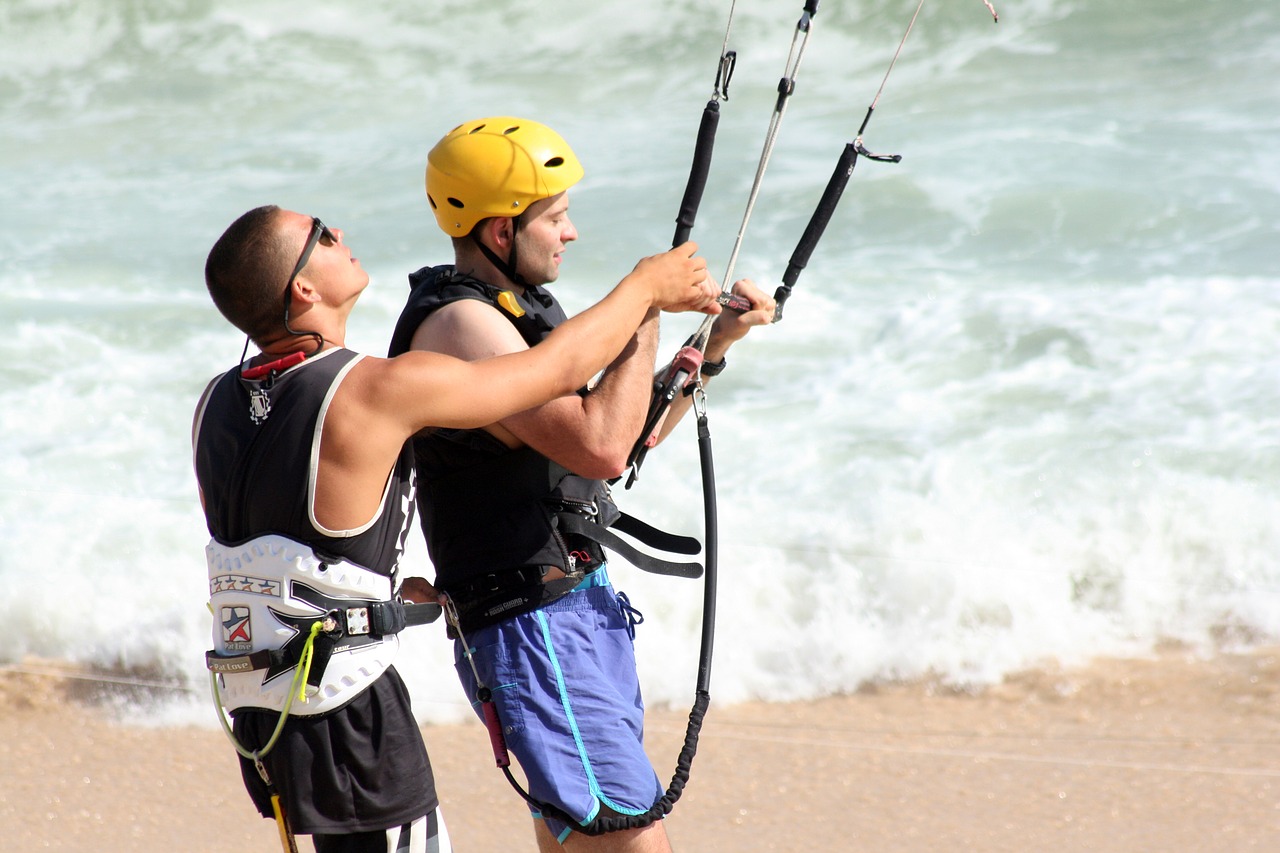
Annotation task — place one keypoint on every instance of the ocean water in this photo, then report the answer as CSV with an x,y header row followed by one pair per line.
x,y
1024,406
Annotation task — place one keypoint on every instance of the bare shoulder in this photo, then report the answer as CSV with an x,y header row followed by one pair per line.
x,y
383,401
377,382
469,329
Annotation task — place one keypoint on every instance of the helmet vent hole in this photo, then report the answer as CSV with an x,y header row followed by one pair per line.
x,y
554,162
455,202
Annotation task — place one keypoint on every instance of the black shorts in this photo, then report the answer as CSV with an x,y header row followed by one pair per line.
x,y
362,767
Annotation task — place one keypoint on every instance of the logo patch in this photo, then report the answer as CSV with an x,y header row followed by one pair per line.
x,y
244,583
259,405
237,630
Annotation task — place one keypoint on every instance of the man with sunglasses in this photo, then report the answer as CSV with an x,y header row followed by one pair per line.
x,y
307,484
515,514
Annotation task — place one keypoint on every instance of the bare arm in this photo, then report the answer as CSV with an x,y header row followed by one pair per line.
x,y
383,402
590,434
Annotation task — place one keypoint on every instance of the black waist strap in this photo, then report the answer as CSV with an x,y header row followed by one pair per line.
x,y
392,617
490,598
373,618
496,596
590,529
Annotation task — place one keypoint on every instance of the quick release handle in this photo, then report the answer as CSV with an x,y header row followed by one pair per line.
x,y
683,369
491,722
697,172
817,224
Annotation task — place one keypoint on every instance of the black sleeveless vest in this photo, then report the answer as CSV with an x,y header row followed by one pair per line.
x,y
255,471
492,515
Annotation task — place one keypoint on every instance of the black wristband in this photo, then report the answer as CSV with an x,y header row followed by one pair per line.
x,y
713,368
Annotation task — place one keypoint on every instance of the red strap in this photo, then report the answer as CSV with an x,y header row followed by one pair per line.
x,y
280,364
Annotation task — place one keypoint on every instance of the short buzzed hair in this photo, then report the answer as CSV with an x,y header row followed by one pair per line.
x,y
246,272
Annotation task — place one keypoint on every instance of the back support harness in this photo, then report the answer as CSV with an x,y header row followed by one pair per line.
x,y
278,609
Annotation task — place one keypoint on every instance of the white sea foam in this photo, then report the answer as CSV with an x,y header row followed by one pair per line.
x,y
1023,405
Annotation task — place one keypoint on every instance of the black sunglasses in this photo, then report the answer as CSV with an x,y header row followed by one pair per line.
x,y
319,231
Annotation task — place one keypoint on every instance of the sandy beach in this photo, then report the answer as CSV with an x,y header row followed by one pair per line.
x,y
1168,754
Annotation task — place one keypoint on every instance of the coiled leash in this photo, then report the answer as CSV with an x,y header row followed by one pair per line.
x,y
684,762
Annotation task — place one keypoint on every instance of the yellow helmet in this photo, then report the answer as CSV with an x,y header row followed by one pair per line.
x,y
496,166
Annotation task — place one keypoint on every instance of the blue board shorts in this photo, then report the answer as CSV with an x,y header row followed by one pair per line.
x,y
563,680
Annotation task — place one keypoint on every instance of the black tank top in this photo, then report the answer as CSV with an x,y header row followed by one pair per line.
x,y
259,477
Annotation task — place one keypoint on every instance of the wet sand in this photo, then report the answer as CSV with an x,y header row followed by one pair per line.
x,y
1168,754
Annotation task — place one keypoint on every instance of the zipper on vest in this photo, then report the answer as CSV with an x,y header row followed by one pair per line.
x,y
584,508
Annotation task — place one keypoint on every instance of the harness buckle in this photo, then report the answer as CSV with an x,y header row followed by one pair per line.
x,y
358,621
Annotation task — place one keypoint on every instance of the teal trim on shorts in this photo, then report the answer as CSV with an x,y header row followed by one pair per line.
x,y
592,782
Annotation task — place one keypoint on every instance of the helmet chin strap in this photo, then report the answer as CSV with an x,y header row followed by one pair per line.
x,y
507,267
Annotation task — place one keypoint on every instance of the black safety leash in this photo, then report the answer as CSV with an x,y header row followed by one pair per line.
x,y
840,178
702,699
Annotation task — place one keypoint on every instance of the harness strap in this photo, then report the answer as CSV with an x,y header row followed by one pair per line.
x,y
378,619
493,583
494,596
656,538
264,659
589,529
497,595
392,617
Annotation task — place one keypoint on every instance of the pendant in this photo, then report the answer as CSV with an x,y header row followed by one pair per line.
x,y
259,405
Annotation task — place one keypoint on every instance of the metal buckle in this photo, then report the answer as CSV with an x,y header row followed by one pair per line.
x,y
357,620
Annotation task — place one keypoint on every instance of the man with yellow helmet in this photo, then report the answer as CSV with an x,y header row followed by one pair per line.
x,y
515,513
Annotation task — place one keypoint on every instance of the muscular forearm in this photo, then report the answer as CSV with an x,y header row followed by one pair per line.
x,y
599,336
614,412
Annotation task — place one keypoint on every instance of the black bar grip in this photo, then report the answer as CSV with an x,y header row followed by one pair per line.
x,y
821,214
697,172
817,224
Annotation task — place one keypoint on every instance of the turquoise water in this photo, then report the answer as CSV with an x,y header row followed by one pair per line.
x,y
1023,405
